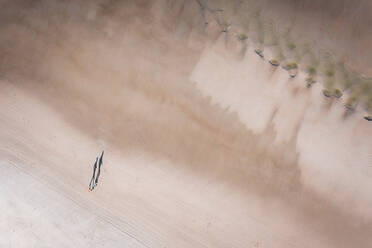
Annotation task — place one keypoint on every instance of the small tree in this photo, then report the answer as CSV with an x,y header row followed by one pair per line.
x,y
274,62
327,92
337,93
242,36
226,25
351,103
290,66
291,46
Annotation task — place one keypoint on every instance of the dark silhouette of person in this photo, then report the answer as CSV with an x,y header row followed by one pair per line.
x,y
99,168
91,184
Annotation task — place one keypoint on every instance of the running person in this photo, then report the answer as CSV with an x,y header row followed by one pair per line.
x,y
99,168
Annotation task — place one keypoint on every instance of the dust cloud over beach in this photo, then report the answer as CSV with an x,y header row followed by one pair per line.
x,y
206,146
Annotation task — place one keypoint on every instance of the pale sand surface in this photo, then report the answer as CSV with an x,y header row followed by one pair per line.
x,y
141,201
203,148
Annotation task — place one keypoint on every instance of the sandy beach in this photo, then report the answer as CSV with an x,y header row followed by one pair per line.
x,y
205,146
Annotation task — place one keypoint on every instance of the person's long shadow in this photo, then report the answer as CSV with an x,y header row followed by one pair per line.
x,y
94,180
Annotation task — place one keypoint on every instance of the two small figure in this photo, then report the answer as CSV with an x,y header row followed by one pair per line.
x,y
94,181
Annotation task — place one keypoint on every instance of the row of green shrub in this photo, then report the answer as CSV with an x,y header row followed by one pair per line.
x,y
320,65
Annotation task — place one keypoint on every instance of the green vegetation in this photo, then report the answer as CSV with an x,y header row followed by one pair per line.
x,y
290,66
369,104
292,50
309,81
259,52
225,26
366,85
311,70
291,46
327,93
337,93
274,62
291,54
347,81
225,23
351,103
242,36
330,73
368,116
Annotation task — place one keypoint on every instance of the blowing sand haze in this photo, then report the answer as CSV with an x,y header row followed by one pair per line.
x,y
224,123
